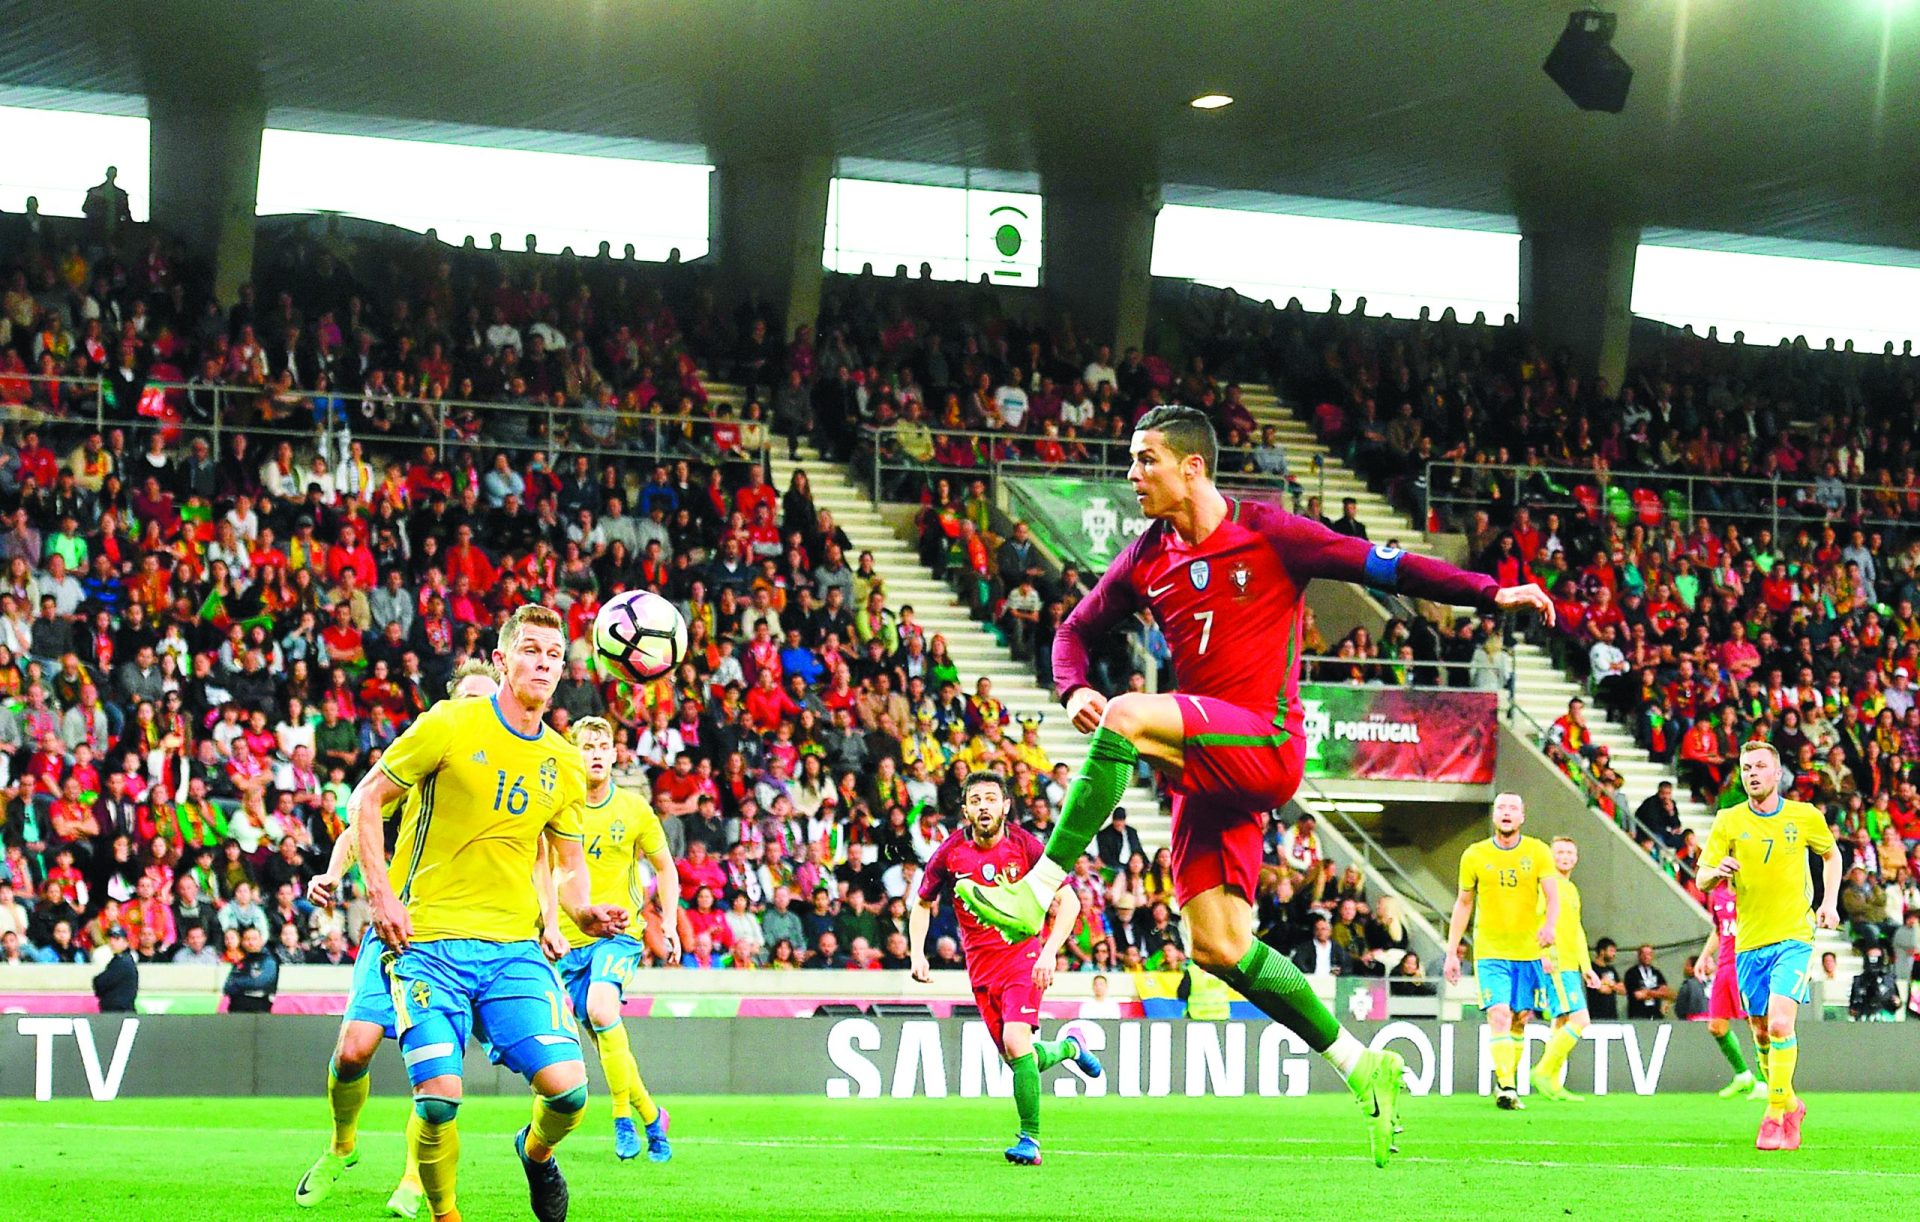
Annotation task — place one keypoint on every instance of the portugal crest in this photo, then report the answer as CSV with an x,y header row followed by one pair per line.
x,y
1242,576
1201,573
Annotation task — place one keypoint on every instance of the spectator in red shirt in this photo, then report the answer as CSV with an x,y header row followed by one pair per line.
x,y
467,559
677,791
766,703
757,492
345,644
1737,656
698,869
350,554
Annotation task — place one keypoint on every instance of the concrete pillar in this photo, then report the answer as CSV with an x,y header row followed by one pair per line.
x,y
206,176
1576,291
1099,254
769,231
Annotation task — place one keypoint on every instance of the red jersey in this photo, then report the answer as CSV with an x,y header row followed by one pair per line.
x,y
1230,605
990,959
1725,924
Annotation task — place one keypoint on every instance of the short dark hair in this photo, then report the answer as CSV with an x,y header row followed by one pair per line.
x,y
1187,430
983,777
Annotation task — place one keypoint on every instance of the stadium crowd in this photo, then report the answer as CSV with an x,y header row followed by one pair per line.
x,y
1702,613
236,576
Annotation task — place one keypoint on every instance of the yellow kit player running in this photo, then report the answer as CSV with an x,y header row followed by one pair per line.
x,y
1761,846
370,1015
620,829
494,782
1513,935
1567,980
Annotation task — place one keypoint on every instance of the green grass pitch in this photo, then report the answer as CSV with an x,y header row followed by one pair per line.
x,y
740,1158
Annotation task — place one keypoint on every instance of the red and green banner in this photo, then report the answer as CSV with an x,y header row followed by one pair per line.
x,y
1400,734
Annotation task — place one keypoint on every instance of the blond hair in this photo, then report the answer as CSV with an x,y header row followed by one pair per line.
x,y
471,668
1761,744
1565,840
590,725
531,615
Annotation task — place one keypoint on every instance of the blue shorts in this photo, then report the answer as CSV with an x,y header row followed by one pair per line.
x,y
1783,969
506,993
607,960
372,998
1518,984
1566,993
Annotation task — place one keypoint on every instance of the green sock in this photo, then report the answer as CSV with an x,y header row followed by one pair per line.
x,y
1759,1059
1269,980
1047,1054
1730,1049
1026,1093
1092,796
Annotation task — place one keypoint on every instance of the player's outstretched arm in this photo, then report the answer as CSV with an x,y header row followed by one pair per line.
x,y
546,887
1060,923
1549,920
370,796
919,918
320,889
1703,963
1111,600
1456,930
1308,550
1829,915
666,881
594,920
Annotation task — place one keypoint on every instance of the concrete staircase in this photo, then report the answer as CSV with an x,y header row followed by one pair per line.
x,y
1541,688
976,650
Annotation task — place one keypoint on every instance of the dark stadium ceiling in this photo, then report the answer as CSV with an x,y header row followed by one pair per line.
x,y
1789,118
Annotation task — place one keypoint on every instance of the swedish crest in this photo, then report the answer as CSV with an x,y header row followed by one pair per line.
x,y
1201,573
549,773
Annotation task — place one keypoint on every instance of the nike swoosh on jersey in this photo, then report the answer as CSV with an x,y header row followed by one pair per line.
x,y
1153,593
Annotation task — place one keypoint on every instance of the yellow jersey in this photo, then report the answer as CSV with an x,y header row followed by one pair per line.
x,y
617,833
1506,884
1773,892
1569,935
463,864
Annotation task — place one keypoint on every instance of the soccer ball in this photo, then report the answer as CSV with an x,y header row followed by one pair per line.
x,y
639,636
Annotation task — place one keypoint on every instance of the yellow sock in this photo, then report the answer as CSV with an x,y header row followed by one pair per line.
x,y
553,1119
346,1099
642,1101
410,1174
1553,1062
436,1158
616,1061
1783,1056
1506,1060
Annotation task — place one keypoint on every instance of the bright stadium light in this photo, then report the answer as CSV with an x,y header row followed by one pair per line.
x,y
1211,101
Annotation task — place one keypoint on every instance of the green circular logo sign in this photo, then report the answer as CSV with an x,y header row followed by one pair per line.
x,y
1007,239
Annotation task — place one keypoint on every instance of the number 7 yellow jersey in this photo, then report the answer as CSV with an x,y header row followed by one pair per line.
x,y
484,794
1773,892
1507,896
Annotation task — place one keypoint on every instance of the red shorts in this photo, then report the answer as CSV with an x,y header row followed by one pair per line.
x,y
1723,999
1238,765
1000,1004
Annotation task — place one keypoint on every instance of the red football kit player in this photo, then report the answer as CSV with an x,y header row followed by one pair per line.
x,y
1225,580
1008,977
1715,969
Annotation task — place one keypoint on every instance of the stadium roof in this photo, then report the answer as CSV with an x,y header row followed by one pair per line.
x,y
1773,117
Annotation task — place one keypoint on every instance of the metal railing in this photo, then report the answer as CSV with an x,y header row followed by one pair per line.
x,y
1454,490
895,472
1311,663
1374,856
1626,811
329,422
